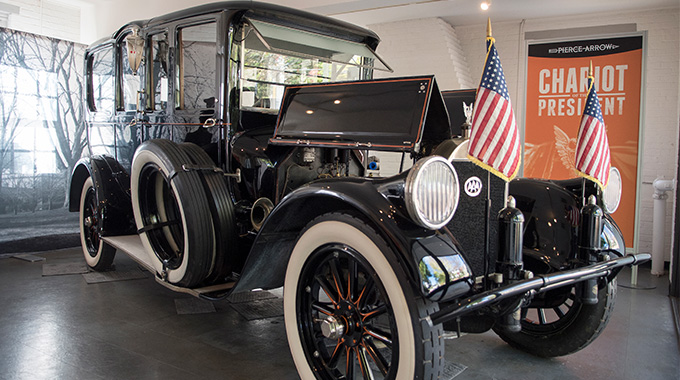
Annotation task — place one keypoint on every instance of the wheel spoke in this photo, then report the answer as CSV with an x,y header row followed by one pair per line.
x,y
382,309
352,274
327,289
377,357
541,316
524,312
335,356
363,363
379,335
322,308
365,293
558,311
349,366
336,277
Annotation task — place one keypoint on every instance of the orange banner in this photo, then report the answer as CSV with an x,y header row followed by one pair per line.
x,y
556,91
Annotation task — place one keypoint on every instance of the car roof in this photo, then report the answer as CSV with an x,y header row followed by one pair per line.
x,y
263,11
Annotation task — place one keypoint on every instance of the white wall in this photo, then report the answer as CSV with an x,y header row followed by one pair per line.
x,y
52,18
661,105
434,49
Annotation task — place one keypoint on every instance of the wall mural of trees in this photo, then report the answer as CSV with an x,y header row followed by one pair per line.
x,y
42,133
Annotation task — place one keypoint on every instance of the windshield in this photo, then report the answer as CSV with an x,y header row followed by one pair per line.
x,y
272,56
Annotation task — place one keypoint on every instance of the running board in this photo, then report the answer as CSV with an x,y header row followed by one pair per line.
x,y
133,247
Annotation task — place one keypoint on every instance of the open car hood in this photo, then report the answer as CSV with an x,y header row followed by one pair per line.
x,y
395,114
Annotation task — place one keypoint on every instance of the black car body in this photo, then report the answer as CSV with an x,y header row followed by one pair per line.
x,y
231,150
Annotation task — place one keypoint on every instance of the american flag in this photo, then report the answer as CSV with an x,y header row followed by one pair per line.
x,y
592,145
494,139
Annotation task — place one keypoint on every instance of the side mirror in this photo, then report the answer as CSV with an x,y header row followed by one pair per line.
x,y
135,50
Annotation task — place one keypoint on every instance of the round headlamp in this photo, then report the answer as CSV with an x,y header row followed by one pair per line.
x,y
611,196
431,192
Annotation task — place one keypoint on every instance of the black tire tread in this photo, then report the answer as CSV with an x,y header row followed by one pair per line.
x,y
586,327
222,211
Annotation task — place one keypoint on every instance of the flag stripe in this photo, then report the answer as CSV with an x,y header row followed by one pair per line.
x,y
493,125
487,103
512,146
499,141
593,158
494,141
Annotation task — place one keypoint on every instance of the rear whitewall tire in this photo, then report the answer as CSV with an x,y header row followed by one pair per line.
x,y
98,254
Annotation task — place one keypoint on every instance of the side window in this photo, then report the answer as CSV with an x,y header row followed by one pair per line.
x,y
195,78
159,70
132,83
101,81
101,100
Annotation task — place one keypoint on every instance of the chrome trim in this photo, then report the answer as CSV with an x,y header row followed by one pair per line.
x,y
433,277
414,183
538,284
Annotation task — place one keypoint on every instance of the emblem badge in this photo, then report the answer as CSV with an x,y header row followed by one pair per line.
x,y
473,186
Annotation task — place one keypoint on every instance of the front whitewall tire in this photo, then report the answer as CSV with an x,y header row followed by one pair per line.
x,y
409,367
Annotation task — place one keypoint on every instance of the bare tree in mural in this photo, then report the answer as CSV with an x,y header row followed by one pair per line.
x,y
68,131
9,124
61,112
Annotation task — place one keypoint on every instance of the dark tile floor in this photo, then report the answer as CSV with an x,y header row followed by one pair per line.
x,y
61,327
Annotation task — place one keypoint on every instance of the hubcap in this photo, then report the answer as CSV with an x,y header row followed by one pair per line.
x,y
331,328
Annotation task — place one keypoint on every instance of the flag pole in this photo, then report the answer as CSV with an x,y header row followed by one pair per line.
x,y
487,212
583,179
488,27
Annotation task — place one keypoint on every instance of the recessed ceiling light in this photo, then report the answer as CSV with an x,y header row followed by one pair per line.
x,y
485,5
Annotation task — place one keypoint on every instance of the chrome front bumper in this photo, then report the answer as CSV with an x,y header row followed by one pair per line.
x,y
537,284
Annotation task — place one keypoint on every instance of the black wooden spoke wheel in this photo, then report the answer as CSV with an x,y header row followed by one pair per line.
x,y
558,323
345,316
350,312
98,254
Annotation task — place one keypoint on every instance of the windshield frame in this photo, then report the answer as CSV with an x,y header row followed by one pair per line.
x,y
253,24
248,39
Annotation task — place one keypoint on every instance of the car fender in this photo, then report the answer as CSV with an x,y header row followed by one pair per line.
x,y
112,189
268,258
552,215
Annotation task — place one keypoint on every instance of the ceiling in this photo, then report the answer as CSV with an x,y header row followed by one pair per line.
x,y
465,12
455,12
108,15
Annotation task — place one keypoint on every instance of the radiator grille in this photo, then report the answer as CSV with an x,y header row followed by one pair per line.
x,y
467,224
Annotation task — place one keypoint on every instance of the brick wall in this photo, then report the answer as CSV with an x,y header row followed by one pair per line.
x,y
424,46
413,46
47,18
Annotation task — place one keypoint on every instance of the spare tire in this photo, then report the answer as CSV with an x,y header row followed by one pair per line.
x,y
174,224
221,206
